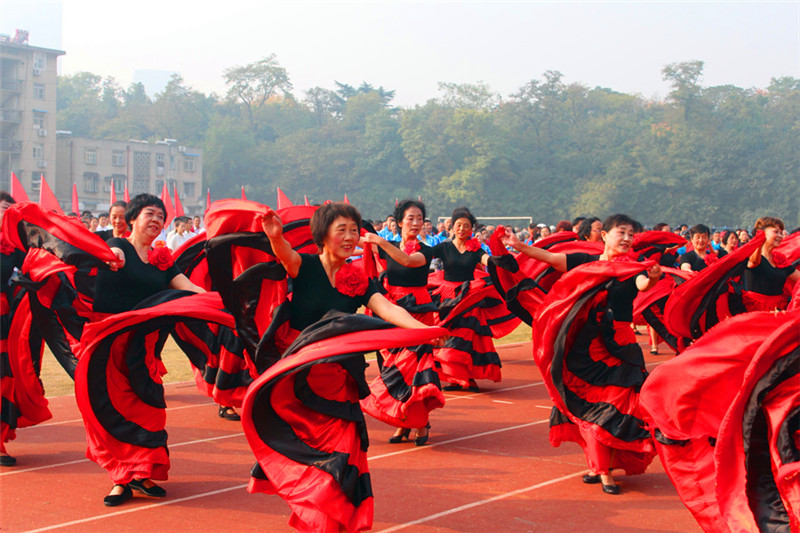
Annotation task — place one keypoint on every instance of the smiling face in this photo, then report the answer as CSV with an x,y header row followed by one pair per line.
x,y
618,240
117,217
462,228
341,238
700,242
411,223
773,236
148,223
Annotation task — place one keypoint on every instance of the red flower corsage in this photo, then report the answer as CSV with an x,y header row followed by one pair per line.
x,y
411,246
160,257
473,245
351,280
710,258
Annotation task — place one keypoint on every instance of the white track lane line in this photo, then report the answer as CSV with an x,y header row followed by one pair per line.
x,y
44,467
63,422
455,510
143,508
215,492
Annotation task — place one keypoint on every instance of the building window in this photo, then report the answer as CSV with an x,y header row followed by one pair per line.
x,y
36,180
39,61
159,187
119,183
188,189
38,91
91,181
141,186
188,165
38,151
141,164
118,158
90,156
38,120
172,162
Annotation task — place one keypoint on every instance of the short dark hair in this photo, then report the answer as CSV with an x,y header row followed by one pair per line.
x,y
103,214
619,220
323,217
139,202
463,212
577,220
119,203
564,225
405,205
586,227
700,228
6,197
660,226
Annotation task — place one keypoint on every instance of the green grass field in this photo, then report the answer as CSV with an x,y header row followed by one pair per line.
x,y
57,383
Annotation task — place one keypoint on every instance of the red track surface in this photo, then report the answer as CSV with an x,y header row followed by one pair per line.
x,y
487,467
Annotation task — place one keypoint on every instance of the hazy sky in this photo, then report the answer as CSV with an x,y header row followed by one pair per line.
x,y
411,46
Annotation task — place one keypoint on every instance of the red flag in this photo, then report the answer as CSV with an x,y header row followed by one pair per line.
x,y
395,202
168,204
283,200
243,196
74,204
208,198
47,199
178,206
305,199
346,200
125,195
17,191
112,198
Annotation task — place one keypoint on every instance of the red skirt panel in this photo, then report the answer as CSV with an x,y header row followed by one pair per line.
x,y
593,369
118,383
473,313
302,420
754,301
408,387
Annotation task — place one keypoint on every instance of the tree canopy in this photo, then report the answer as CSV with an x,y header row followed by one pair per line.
x,y
553,150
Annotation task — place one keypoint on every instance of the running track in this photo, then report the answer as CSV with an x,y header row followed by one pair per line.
x,y
487,467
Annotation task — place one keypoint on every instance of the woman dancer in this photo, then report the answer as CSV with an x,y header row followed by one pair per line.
x,y
407,264
140,272
11,259
701,256
604,366
763,278
469,353
730,242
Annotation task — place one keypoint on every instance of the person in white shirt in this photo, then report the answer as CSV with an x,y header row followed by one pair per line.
x,y
181,235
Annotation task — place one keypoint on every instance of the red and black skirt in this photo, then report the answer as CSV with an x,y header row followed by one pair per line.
x,y
118,383
473,314
408,386
303,422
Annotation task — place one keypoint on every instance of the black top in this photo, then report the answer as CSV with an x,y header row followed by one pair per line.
x,y
120,291
695,261
620,294
457,266
313,295
401,276
7,265
105,234
766,279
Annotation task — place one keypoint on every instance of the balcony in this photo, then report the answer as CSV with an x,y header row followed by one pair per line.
x,y
11,116
9,145
14,86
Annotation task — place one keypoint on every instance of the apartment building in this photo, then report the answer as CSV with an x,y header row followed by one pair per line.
x,y
28,78
96,166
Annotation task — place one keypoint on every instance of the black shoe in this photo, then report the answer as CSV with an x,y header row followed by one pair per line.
x,y
155,491
473,386
396,439
232,415
452,387
420,440
611,489
7,460
591,479
116,499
